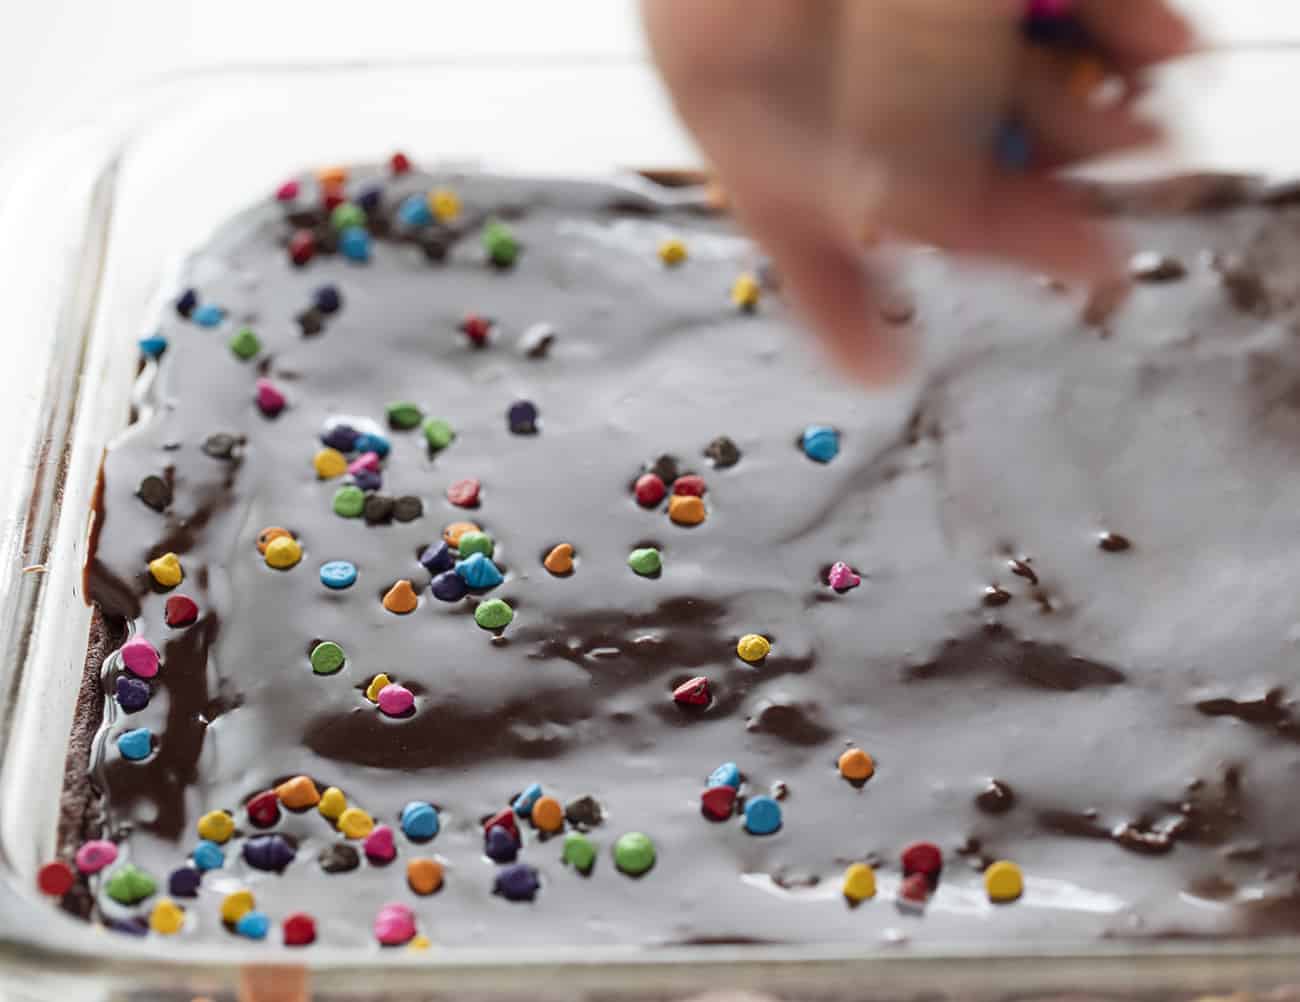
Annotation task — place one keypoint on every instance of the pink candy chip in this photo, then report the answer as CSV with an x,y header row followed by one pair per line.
x,y
395,925
287,192
395,700
140,657
366,462
270,401
94,855
379,845
842,577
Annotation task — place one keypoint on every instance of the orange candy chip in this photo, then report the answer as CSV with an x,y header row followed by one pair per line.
x,y
453,532
424,875
856,765
548,814
332,175
686,509
560,560
401,598
298,793
269,533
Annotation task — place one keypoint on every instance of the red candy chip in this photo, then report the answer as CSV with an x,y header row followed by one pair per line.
x,y
299,929
180,610
464,493
915,888
692,484
264,809
650,490
694,692
332,196
476,328
55,879
924,858
399,163
302,245
717,802
287,192
504,818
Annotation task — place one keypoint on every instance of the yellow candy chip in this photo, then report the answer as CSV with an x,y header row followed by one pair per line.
x,y
1003,881
420,943
332,803
376,686
166,570
753,648
356,823
672,252
235,906
330,463
283,552
859,882
444,204
216,826
167,917
745,292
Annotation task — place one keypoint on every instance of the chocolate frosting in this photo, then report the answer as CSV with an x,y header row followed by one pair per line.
x,y
1116,719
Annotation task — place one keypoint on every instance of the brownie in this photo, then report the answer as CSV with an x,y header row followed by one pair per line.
x,y
1064,631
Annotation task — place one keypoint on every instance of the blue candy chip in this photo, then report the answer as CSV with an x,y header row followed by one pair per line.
x,y
727,774
208,856
762,816
253,924
478,571
523,804
153,346
208,315
414,211
370,442
821,443
1014,148
135,745
338,574
354,244
419,820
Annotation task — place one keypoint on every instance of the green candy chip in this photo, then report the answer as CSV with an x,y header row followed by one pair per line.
x,y
327,657
129,885
474,542
634,853
500,243
245,343
347,215
579,852
645,561
349,501
404,415
493,614
438,433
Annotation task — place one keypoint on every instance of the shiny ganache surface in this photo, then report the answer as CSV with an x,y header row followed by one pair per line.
x,y
1073,646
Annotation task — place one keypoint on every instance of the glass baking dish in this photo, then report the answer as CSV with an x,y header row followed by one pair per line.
x,y
105,212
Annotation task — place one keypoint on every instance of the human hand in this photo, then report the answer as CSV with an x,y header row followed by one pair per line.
x,y
827,120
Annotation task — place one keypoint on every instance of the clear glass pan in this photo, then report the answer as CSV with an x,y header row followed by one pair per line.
x,y
97,218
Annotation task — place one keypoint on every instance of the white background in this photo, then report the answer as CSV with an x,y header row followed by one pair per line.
x,y
62,59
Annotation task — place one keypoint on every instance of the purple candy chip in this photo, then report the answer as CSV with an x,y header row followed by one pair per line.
x,y
132,693
341,436
437,558
517,883
449,587
500,845
368,480
268,852
184,882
